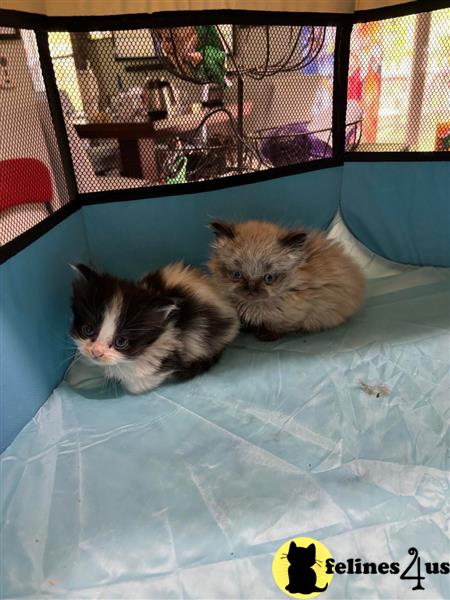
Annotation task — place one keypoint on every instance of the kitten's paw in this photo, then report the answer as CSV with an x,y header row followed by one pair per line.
x,y
267,336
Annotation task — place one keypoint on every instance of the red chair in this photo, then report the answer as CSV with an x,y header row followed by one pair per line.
x,y
24,181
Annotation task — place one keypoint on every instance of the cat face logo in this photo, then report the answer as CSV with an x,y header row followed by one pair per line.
x,y
299,568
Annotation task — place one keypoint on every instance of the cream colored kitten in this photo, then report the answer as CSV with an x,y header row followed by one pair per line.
x,y
282,280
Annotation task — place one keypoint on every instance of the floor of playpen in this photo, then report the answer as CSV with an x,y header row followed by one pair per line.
x,y
187,492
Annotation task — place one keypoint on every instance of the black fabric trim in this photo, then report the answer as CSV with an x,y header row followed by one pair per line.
x,y
27,20
340,76
197,187
400,10
21,20
31,235
396,156
167,18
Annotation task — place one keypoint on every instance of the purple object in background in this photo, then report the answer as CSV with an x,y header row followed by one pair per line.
x,y
320,148
287,145
298,142
293,143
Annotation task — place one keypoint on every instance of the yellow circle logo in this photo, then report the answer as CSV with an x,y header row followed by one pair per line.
x,y
299,568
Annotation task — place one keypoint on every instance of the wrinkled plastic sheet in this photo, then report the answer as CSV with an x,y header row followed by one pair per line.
x,y
187,492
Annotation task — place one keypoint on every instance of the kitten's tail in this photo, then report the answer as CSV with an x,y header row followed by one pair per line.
x,y
317,589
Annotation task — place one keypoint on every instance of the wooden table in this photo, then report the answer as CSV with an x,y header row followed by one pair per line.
x,y
137,139
136,145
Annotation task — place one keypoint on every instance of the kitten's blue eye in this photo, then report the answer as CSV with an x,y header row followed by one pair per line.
x,y
268,278
120,342
88,330
236,275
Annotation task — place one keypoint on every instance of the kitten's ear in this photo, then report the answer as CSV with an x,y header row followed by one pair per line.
x,y
292,546
293,240
84,271
222,229
312,550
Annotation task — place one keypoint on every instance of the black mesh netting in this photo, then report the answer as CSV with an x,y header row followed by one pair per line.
x,y
146,107
399,75
160,106
32,182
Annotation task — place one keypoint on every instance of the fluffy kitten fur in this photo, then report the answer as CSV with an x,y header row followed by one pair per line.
x,y
171,322
282,280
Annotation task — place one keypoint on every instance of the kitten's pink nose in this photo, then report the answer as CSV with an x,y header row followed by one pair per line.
x,y
98,349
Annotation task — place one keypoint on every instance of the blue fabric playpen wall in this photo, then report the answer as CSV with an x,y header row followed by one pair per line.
x,y
131,237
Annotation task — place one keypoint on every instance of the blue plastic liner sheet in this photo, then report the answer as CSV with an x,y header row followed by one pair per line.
x,y
188,491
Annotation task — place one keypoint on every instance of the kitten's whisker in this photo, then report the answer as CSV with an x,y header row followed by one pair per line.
x,y
117,382
75,358
71,357
70,367
65,343
67,359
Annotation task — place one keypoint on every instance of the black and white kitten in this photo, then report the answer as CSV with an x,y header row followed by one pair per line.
x,y
171,322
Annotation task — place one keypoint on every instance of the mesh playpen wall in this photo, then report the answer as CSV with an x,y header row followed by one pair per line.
x,y
124,130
